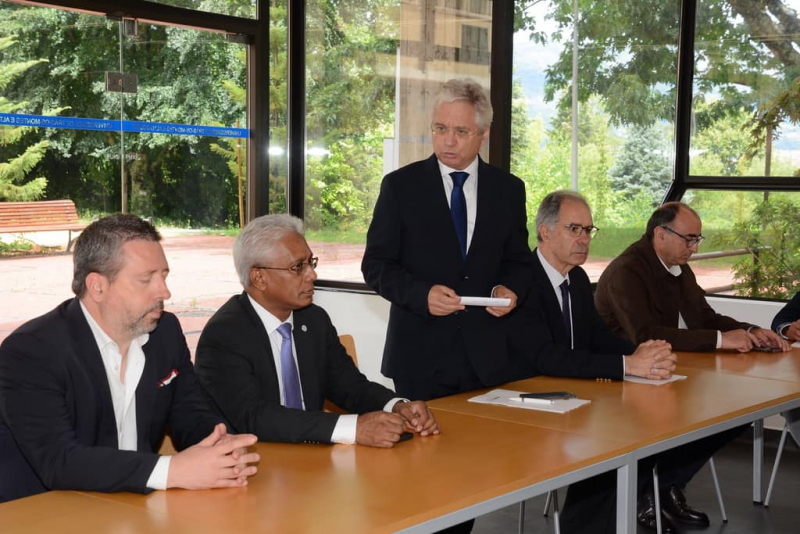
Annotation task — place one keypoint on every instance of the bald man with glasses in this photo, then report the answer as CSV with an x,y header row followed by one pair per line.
x,y
650,292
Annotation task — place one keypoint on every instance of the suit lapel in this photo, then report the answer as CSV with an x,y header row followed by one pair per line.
x,y
89,353
264,362
552,310
486,205
146,392
304,337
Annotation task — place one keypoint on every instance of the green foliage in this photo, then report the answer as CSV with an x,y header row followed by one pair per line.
x,y
15,184
770,234
643,169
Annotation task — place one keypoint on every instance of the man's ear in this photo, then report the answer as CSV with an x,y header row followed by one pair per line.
x,y
97,286
257,279
544,231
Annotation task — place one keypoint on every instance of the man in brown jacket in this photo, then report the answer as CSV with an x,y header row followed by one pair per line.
x,y
649,292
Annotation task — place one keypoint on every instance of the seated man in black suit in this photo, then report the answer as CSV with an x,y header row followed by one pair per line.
x,y
87,390
270,358
787,325
559,333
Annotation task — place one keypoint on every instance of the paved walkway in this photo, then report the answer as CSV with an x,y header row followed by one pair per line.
x,y
202,278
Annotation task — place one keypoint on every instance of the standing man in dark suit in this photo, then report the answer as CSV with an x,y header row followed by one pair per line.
x,y
87,390
444,228
270,358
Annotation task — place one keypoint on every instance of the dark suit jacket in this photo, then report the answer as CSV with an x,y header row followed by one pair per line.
x,y
412,245
235,363
788,314
639,299
539,336
56,402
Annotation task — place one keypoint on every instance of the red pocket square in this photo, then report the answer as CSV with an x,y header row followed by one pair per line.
x,y
169,378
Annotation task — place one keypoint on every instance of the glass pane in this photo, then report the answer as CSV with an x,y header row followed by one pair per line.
x,y
373,67
184,127
752,247
745,111
169,146
236,8
278,134
627,57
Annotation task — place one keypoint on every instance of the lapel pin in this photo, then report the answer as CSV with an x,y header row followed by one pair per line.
x,y
303,328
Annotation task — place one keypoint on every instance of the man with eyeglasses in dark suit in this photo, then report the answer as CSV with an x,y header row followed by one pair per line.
x,y
447,227
270,358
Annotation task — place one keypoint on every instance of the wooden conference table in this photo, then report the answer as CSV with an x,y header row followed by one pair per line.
x,y
781,366
487,457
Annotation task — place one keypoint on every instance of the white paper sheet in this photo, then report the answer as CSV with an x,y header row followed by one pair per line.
x,y
503,397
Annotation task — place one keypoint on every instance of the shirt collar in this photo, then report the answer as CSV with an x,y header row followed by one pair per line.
x,y
675,270
472,169
102,339
555,277
271,323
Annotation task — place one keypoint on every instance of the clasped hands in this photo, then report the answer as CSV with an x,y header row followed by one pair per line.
x,y
219,461
443,301
383,429
652,359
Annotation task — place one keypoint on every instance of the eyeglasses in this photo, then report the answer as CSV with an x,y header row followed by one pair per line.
x,y
576,230
461,133
690,240
298,268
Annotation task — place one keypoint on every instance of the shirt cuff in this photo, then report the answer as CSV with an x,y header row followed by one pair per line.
x,y
781,327
719,339
390,405
158,478
624,370
345,430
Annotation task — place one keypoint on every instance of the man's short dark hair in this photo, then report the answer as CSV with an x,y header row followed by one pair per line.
x,y
550,208
664,215
98,248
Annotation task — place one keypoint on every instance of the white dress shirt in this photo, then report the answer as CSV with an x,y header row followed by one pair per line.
x,y
123,392
470,192
345,429
675,270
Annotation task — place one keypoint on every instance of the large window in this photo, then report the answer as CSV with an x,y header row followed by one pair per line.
x,y
625,110
745,136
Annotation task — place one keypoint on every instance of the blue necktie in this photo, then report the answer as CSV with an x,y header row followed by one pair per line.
x,y
565,311
458,209
291,381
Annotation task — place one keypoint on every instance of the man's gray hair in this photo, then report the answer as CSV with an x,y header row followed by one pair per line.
x,y
254,244
550,207
99,247
471,91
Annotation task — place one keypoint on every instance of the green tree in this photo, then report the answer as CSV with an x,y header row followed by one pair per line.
x,y
15,184
772,269
643,165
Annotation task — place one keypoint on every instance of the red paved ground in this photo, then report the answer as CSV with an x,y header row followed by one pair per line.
x,y
202,278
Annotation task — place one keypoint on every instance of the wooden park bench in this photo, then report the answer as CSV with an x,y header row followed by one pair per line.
x,y
40,216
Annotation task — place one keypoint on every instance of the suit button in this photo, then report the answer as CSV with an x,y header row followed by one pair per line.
x,y
465,278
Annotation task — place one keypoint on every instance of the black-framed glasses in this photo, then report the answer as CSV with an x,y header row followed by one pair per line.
x,y
576,230
461,133
690,240
298,268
